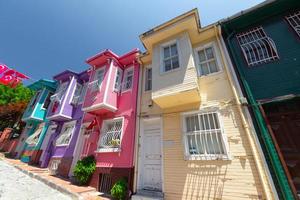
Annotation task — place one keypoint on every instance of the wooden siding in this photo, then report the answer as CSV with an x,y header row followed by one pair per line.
x,y
179,80
234,179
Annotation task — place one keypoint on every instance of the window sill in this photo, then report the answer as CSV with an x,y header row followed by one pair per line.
x,y
162,73
108,150
210,75
207,158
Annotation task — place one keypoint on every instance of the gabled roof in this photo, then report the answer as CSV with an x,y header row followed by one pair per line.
x,y
65,74
102,57
43,83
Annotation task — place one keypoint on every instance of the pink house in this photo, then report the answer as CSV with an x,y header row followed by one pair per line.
x,y
110,108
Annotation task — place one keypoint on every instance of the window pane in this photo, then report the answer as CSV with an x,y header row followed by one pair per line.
x,y
167,65
174,50
209,53
204,69
213,66
202,56
195,144
166,52
175,62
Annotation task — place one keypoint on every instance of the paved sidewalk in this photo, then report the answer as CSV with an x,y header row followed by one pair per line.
x,y
62,185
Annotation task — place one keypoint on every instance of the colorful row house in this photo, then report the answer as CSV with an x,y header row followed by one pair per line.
x,y
195,138
204,113
65,115
264,45
110,108
29,147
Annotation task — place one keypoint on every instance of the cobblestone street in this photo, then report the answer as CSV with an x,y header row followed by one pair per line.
x,y
15,185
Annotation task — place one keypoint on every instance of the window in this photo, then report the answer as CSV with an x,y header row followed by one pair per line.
x,y
34,138
204,136
83,92
98,79
294,21
118,80
207,61
148,79
60,92
35,98
111,134
170,57
66,134
47,101
128,79
77,94
257,47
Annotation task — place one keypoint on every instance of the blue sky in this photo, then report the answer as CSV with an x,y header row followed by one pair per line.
x,y
43,38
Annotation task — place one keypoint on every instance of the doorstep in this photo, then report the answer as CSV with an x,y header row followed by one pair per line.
x,y
148,195
60,184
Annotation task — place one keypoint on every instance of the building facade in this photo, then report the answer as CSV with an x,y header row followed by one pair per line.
x,y
29,147
65,115
110,117
195,141
264,44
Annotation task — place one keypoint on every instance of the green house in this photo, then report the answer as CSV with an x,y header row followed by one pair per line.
x,y
264,45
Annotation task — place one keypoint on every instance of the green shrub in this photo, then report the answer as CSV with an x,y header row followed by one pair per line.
x,y
84,169
119,190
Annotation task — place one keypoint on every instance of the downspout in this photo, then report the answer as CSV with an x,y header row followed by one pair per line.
x,y
271,150
137,127
269,191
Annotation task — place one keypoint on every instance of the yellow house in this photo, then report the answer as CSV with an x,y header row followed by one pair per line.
x,y
195,138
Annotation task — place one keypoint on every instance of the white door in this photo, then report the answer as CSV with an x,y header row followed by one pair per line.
x,y
151,157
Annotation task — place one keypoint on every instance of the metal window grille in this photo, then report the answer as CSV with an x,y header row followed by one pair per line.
x,y
105,183
34,138
204,136
148,79
170,57
257,47
66,135
128,79
208,62
294,21
60,92
111,134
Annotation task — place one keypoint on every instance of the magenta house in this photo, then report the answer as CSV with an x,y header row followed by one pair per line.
x,y
110,110
65,115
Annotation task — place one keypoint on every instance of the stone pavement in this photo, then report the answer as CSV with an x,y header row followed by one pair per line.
x,y
62,185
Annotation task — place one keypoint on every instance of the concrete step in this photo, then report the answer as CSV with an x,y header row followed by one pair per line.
x,y
148,195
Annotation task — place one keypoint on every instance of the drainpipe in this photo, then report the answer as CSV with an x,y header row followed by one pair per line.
x,y
268,187
285,188
137,127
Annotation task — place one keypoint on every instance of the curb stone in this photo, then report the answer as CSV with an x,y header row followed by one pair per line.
x,y
47,182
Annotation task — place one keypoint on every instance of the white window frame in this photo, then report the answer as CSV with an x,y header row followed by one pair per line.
x,y
60,91
48,96
162,58
118,85
83,93
95,86
104,124
35,99
38,131
291,20
124,81
216,54
188,156
254,45
146,79
75,98
72,123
